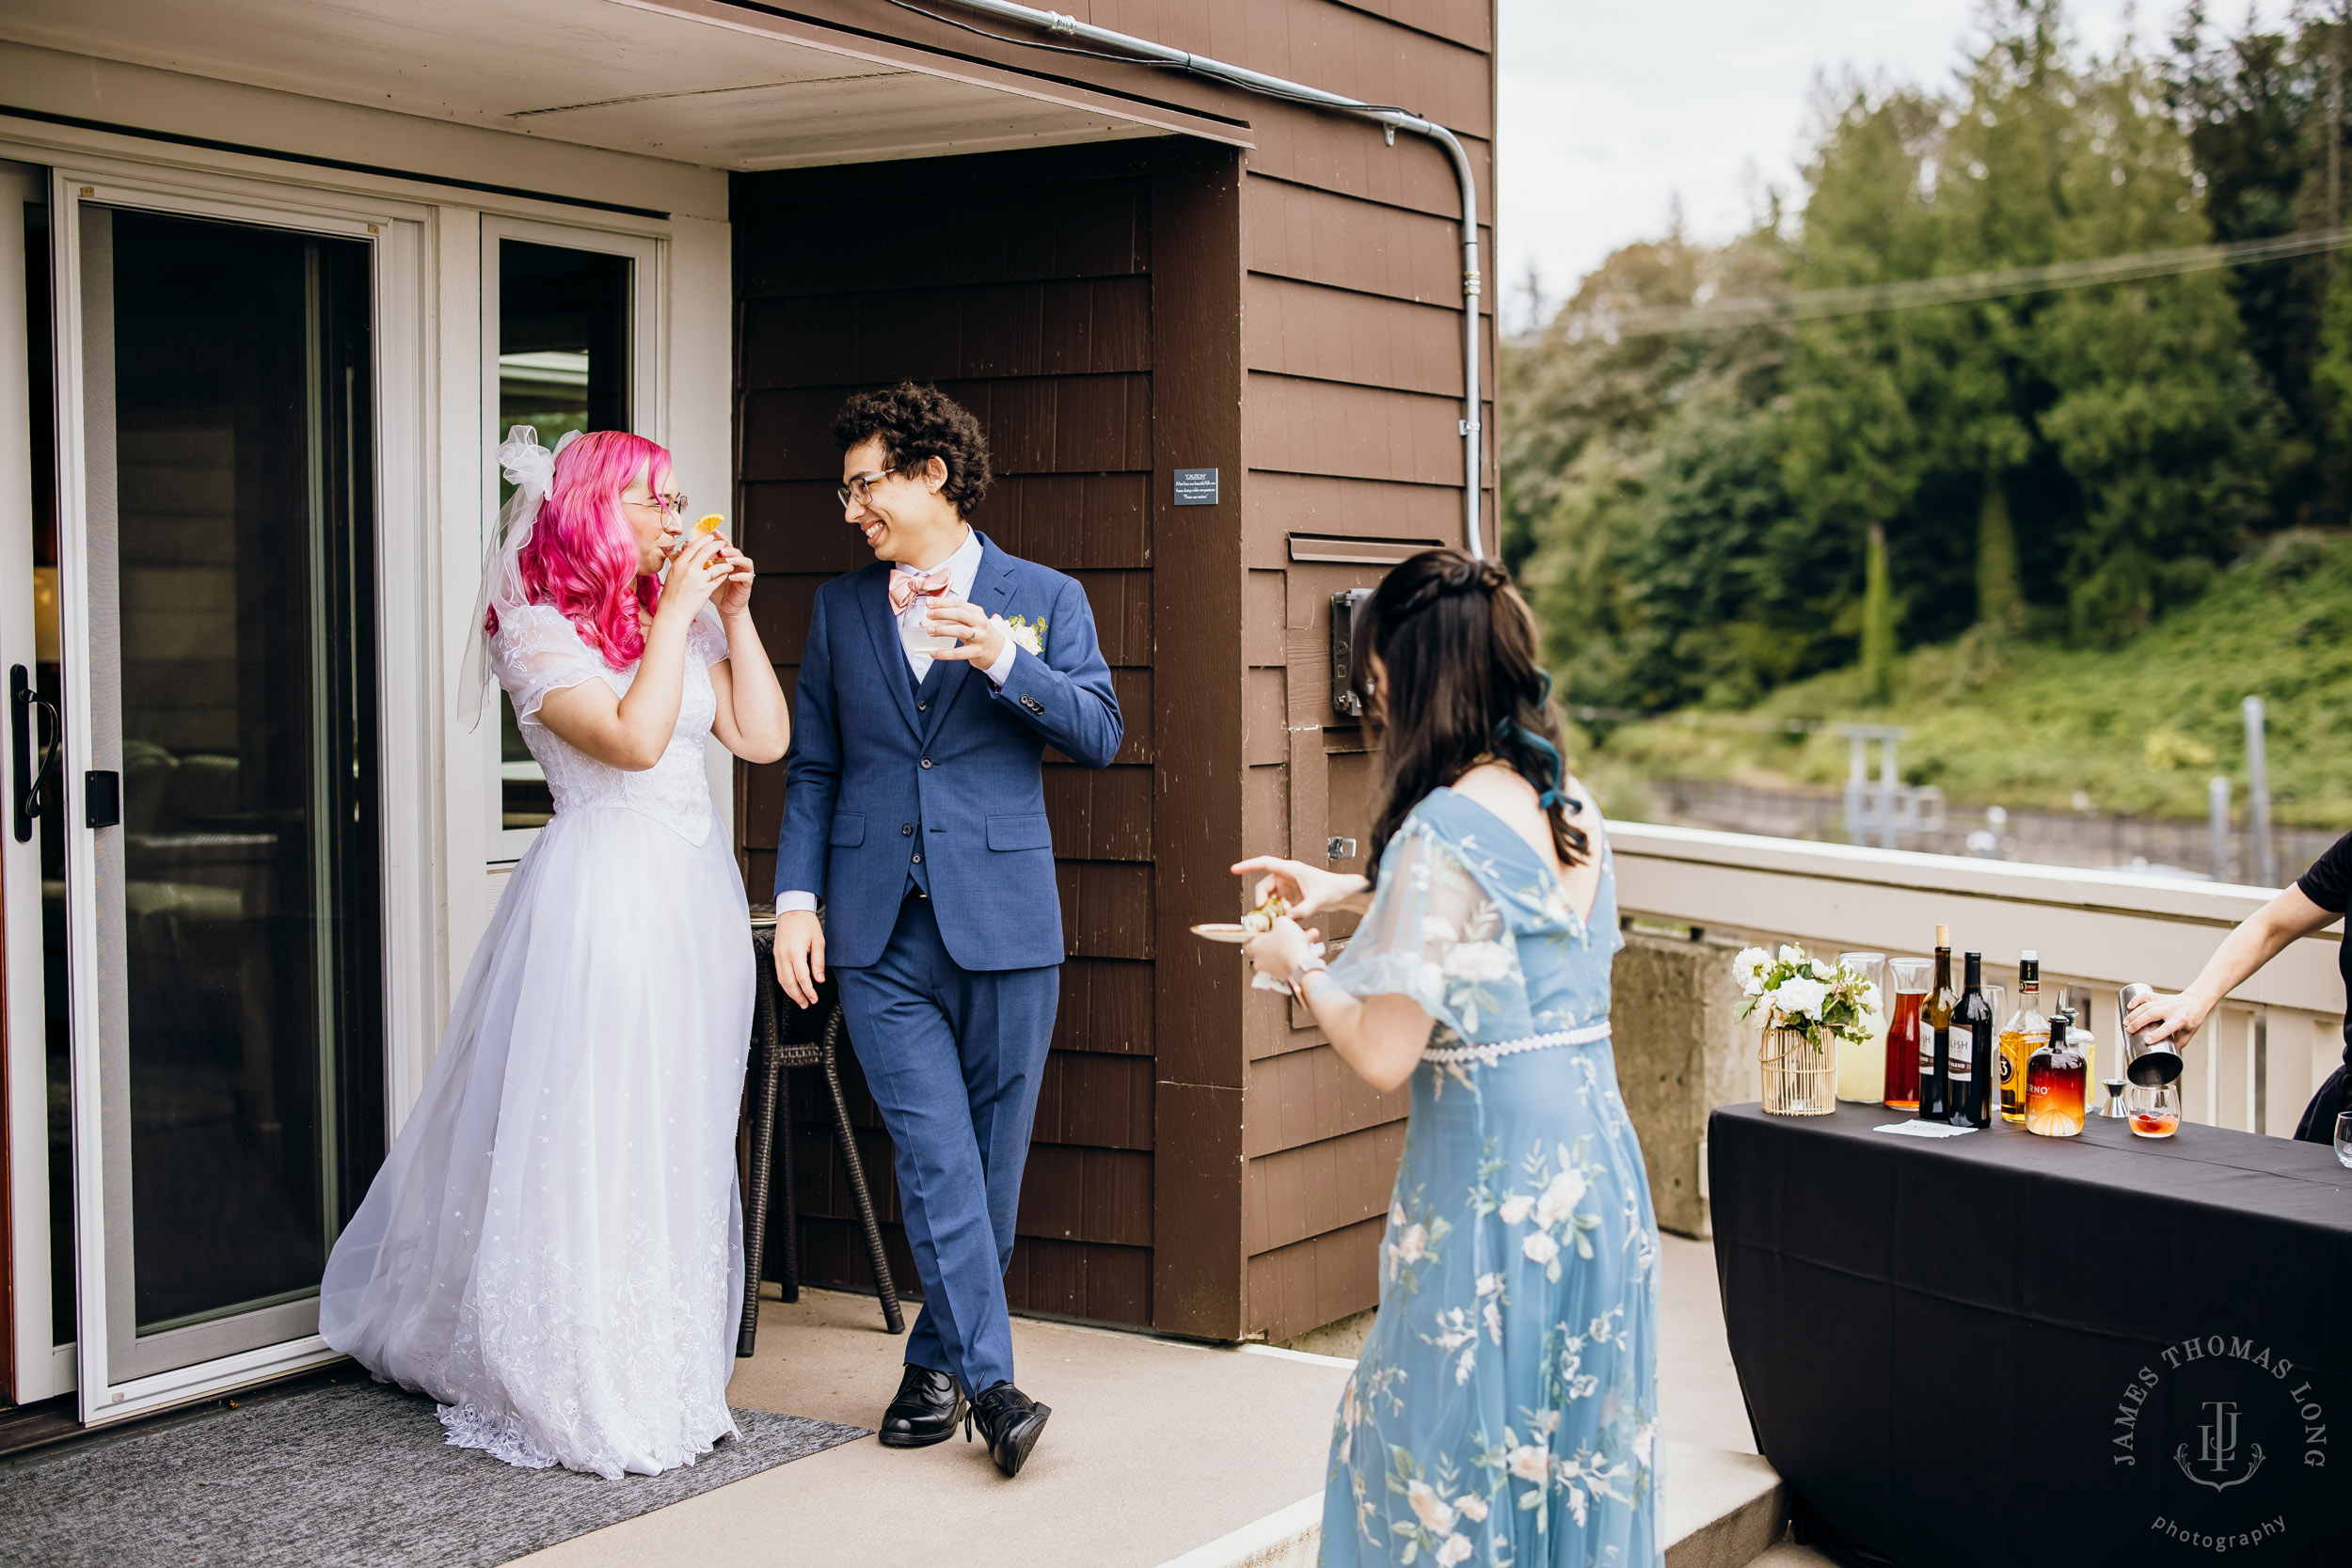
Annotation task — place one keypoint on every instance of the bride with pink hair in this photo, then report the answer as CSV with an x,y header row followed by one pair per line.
x,y
554,1248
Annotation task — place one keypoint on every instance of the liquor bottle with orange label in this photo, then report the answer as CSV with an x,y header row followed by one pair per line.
x,y
2056,1077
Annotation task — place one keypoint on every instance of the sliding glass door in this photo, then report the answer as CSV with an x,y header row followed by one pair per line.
x,y
216,918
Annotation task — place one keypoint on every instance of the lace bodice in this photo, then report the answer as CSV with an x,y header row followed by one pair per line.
x,y
537,651
1470,923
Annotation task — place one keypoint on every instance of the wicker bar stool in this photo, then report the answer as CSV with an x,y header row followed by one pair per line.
x,y
786,1034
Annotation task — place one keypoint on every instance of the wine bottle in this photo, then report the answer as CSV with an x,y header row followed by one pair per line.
x,y
1972,1022
1935,1066
2026,1031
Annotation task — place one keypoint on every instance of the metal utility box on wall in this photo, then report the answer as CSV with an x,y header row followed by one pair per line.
x,y
1128,319
1345,606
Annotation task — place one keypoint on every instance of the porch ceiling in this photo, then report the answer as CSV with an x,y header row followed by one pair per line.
x,y
697,81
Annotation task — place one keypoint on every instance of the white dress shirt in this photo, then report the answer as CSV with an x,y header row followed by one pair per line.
x,y
963,568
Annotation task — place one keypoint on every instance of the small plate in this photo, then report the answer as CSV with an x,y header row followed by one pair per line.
x,y
1232,932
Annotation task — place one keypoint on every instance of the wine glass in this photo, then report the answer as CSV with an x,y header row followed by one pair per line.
x,y
2344,1138
2155,1110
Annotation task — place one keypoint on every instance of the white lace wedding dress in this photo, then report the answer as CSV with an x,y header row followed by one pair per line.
x,y
554,1248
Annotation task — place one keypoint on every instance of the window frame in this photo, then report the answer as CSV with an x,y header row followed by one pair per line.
x,y
648,416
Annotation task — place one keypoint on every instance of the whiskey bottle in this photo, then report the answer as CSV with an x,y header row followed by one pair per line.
x,y
2025,1033
1935,1059
2056,1077
1972,1049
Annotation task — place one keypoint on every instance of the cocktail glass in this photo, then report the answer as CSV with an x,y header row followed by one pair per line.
x,y
2155,1110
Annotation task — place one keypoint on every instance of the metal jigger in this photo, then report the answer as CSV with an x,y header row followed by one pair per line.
x,y
2147,1063
2115,1098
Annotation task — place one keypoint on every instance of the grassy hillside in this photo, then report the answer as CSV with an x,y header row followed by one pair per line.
x,y
2137,728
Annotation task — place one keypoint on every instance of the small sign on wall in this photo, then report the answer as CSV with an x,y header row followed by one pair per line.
x,y
1196,487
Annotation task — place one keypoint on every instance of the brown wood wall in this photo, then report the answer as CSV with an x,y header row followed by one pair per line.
x,y
1037,310
1291,316
1352,338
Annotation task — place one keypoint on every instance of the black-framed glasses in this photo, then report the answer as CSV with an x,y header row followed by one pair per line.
x,y
860,486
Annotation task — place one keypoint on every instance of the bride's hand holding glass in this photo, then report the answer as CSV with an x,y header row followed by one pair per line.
x,y
733,595
696,574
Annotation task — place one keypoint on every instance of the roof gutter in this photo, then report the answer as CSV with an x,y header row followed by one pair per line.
x,y
1058,25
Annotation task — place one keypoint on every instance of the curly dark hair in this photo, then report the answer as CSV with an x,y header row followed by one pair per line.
x,y
916,424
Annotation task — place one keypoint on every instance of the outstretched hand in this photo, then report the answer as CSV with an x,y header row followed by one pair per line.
x,y
1306,889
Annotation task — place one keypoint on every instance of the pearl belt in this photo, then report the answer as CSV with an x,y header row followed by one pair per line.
x,y
1487,1055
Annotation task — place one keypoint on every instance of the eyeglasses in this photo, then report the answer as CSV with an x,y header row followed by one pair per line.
x,y
860,486
673,503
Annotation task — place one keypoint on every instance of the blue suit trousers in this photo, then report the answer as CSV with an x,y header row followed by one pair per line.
x,y
953,1057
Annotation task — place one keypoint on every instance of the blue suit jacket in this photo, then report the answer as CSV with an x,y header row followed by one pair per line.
x,y
866,768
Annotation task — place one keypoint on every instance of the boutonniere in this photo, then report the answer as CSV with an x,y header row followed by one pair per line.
x,y
1030,636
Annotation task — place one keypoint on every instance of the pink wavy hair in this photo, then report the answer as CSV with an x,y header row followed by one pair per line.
x,y
581,556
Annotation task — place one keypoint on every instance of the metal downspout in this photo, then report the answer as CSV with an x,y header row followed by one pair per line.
x,y
1474,443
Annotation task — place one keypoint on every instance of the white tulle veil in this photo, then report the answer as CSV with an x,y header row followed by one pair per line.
x,y
530,467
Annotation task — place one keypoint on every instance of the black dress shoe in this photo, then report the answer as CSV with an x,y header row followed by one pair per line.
x,y
1011,1420
928,1407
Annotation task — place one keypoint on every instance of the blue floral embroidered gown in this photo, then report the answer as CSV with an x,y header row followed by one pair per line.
x,y
1505,1413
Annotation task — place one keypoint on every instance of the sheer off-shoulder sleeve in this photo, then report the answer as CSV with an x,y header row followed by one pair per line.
x,y
1435,934
707,639
537,651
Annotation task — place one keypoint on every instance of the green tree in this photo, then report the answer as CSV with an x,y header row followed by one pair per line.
x,y
2158,413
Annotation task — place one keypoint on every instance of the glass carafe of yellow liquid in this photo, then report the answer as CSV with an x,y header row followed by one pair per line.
x,y
1862,1069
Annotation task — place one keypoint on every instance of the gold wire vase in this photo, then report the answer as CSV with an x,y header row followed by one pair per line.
x,y
1800,1079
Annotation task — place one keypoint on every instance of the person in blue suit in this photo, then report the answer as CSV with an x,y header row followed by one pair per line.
x,y
914,801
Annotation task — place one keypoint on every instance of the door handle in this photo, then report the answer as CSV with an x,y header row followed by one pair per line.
x,y
33,783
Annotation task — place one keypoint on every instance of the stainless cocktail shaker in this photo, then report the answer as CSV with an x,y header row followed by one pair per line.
x,y
2146,1062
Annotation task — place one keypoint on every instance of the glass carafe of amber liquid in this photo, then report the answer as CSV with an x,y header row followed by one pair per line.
x,y
2056,1077
1910,979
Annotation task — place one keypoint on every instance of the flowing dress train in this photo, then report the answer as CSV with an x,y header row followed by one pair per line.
x,y
554,1248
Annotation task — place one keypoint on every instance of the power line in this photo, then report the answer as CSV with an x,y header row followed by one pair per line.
x,y
1957,289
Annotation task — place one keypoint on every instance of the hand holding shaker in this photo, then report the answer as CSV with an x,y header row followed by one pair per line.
x,y
2147,1063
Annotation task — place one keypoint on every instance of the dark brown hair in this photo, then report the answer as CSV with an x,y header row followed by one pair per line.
x,y
1457,646
916,424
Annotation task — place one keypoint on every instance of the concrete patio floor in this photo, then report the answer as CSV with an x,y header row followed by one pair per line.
x,y
1157,1447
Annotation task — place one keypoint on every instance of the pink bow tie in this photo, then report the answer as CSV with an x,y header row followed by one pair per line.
x,y
906,587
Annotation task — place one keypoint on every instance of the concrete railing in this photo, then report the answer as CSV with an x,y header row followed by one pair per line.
x,y
1692,897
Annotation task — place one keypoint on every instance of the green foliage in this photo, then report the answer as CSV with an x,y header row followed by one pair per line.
x,y
1692,511
1878,621
2000,593
2140,727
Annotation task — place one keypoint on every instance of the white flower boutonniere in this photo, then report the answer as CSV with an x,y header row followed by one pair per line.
x,y
1019,628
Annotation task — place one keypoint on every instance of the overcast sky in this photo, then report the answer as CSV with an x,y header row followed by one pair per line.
x,y
1611,111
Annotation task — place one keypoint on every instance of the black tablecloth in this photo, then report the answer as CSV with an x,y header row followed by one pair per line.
x,y
2001,1349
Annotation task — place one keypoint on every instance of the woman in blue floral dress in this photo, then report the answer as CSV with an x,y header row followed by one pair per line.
x,y
1504,1412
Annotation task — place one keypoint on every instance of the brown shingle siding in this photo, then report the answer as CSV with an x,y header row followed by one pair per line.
x,y
1289,316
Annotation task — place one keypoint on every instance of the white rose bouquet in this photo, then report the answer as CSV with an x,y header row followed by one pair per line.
x,y
1801,992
